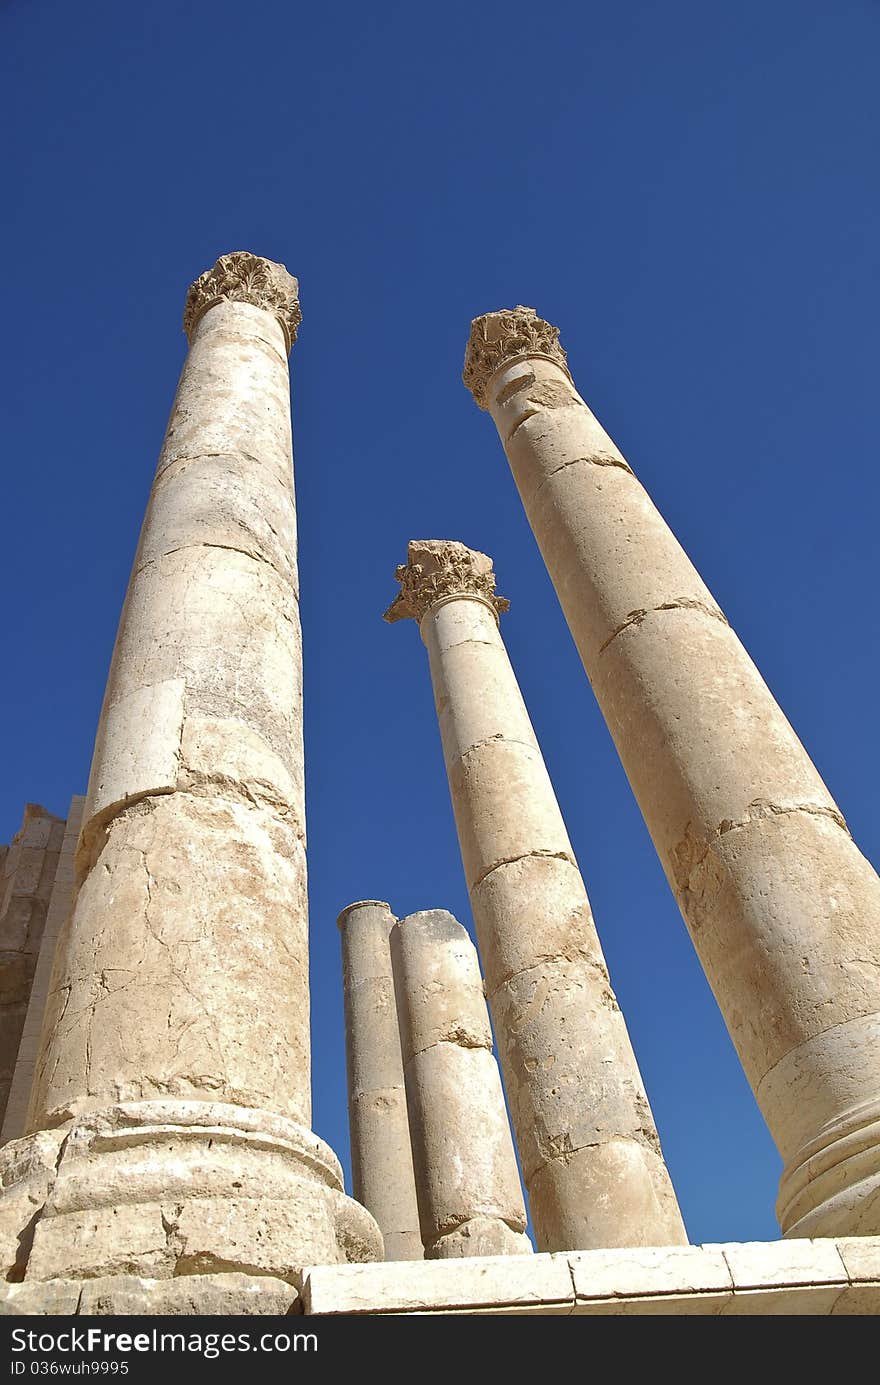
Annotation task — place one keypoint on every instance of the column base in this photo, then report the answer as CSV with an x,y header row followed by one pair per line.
x,y
831,1187
161,1189
197,1295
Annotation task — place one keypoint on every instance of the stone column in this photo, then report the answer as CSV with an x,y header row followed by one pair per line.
x,y
381,1156
782,907
173,1079
588,1145
470,1200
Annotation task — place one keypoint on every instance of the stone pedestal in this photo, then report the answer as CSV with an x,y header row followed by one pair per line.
x,y
381,1157
782,907
470,1202
589,1148
171,1105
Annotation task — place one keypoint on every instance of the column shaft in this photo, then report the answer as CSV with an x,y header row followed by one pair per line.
x,y
173,1075
588,1144
470,1201
381,1156
781,905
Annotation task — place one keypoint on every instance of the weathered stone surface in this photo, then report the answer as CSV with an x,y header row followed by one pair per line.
x,y
27,874
527,1283
381,1156
175,1055
740,1280
468,1189
575,1092
59,1298
60,900
127,1295
169,1188
780,904
194,912
202,1294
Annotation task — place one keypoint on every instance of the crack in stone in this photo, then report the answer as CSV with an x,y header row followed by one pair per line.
x,y
459,1037
497,738
529,413
598,459
681,603
692,850
524,856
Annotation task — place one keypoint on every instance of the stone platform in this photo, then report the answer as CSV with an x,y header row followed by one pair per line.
x,y
786,1278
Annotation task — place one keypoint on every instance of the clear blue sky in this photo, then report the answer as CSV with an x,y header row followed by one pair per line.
x,y
689,190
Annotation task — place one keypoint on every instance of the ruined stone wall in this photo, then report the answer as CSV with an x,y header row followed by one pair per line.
x,y
28,866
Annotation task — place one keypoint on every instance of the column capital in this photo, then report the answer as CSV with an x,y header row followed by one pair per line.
x,y
438,570
502,336
241,277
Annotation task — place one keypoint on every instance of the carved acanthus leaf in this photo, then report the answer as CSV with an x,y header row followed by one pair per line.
x,y
498,337
241,277
436,569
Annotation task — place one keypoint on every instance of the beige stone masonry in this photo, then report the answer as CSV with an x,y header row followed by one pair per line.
x,y
171,1104
781,905
381,1157
28,875
589,1148
756,1279
805,1278
467,1183
60,902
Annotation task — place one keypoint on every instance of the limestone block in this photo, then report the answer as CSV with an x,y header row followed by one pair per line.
x,y
225,627
126,1239
614,1194
666,686
462,1149
207,898
521,1282
212,501
139,747
233,394
504,808
552,1016
861,1258
55,1299
201,1295
644,1272
438,984
375,1066
799,1277
479,661
27,1172
549,891
768,890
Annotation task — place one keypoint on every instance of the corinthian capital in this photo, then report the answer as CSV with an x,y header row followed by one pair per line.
x,y
438,569
502,336
241,277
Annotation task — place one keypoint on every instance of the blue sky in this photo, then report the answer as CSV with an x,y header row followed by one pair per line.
x,y
688,190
